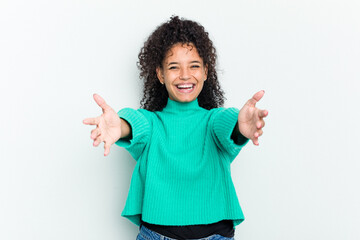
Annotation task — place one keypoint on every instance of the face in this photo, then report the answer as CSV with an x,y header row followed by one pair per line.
x,y
183,73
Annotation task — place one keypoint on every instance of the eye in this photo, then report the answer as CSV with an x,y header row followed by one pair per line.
x,y
195,66
172,67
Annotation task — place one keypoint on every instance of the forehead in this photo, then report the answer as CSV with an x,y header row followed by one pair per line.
x,y
182,50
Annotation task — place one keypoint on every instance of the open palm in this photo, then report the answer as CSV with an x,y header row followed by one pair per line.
x,y
108,125
250,119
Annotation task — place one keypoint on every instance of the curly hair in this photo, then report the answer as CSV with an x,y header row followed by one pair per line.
x,y
153,52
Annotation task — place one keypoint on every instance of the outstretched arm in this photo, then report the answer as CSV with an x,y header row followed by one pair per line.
x,y
250,120
109,127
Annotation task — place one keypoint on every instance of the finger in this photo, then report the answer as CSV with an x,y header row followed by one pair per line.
x,y
256,141
97,141
91,121
101,102
107,148
258,133
257,96
95,133
263,113
260,124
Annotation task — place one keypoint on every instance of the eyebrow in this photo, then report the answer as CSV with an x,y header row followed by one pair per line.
x,y
178,63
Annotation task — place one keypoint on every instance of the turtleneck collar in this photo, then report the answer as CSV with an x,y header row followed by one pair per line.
x,y
181,107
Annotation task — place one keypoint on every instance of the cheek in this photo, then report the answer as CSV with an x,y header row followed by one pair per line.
x,y
201,74
170,76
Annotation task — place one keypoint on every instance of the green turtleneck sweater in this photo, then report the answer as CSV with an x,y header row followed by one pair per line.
x,y
182,175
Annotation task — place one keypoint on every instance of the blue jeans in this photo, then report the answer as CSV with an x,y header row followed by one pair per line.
x,y
147,234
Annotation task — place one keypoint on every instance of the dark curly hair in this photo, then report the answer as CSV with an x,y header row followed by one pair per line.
x,y
154,51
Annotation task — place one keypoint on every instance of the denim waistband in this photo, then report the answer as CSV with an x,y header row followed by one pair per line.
x,y
147,234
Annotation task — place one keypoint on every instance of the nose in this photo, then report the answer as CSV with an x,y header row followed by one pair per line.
x,y
184,74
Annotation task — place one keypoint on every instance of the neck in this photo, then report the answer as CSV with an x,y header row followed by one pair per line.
x,y
174,106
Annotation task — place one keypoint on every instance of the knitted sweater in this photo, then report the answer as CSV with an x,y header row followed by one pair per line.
x,y
182,175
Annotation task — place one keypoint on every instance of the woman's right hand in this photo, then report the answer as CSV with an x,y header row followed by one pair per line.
x,y
108,126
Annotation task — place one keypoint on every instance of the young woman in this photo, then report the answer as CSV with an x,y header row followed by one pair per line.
x,y
182,139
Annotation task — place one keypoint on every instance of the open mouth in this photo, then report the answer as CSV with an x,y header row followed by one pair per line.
x,y
185,86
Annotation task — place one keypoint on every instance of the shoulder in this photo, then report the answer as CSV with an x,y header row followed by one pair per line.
x,y
148,114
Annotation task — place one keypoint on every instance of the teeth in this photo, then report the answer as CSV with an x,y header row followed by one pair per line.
x,y
185,86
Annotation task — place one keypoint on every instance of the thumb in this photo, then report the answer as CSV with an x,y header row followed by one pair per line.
x,y
101,102
257,96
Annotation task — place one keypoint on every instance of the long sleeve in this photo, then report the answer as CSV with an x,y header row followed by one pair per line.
x,y
223,123
182,175
140,129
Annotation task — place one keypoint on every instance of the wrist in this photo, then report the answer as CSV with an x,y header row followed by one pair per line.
x,y
237,137
125,129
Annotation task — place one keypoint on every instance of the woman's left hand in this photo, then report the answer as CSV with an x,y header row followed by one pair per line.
x,y
250,119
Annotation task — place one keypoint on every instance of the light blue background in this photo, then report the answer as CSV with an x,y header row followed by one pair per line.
x,y
301,182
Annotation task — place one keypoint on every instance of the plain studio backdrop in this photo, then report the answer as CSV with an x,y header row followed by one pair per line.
x,y
302,182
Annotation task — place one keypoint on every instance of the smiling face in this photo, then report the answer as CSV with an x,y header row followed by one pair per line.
x,y
183,73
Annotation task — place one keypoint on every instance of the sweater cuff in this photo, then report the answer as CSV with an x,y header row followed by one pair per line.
x,y
240,139
140,131
224,125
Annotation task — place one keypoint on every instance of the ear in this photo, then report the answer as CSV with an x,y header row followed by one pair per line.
x,y
160,75
206,72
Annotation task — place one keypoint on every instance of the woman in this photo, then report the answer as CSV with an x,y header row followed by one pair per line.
x,y
182,139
